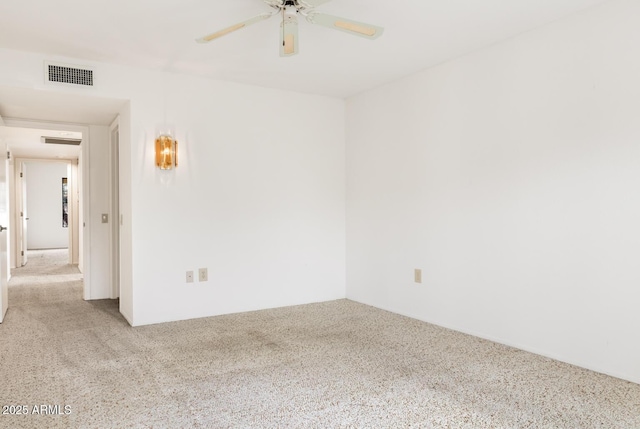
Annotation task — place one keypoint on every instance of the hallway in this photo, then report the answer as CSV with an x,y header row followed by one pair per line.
x,y
46,285
43,336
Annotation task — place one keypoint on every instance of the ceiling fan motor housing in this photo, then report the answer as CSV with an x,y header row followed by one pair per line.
x,y
290,11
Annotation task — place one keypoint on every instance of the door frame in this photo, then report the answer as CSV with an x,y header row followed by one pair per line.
x,y
73,208
19,214
4,237
83,185
114,198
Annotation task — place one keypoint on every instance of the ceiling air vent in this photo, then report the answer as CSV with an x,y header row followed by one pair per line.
x,y
75,75
59,140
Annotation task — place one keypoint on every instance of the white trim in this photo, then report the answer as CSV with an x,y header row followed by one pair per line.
x,y
11,219
86,212
74,218
114,201
5,268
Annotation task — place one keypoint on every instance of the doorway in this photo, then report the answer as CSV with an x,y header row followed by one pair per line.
x,y
90,185
45,208
43,200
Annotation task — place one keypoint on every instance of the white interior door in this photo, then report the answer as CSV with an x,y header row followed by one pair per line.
x,y
4,236
25,216
21,200
74,240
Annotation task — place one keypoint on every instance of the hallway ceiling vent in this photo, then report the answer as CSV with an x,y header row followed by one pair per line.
x,y
65,73
59,140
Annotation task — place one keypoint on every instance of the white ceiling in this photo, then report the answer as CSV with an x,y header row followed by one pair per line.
x,y
27,143
57,107
50,109
160,34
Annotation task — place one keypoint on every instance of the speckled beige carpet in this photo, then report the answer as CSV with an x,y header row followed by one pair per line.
x,y
331,365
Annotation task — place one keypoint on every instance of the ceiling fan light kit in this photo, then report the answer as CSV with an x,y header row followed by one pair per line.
x,y
289,11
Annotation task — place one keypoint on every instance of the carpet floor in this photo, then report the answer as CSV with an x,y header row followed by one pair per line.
x,y
330,365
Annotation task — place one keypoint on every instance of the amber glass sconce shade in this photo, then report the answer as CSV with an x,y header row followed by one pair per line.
x,y
166,152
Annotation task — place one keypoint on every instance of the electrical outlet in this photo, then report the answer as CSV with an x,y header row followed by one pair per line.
x,y
189,276
203,276
417,275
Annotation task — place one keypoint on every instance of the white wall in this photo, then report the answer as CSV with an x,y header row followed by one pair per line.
x,y
510,177
258,198
44,205
126,232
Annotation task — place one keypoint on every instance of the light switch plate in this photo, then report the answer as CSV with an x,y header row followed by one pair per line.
x,y
203,275
189,276
418,275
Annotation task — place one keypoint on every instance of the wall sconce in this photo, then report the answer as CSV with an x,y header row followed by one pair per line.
x,y
166,152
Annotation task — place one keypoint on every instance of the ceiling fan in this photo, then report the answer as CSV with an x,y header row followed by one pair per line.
x,y
289,10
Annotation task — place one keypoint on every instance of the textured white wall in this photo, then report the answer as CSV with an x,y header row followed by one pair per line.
x,y
44,205
510,177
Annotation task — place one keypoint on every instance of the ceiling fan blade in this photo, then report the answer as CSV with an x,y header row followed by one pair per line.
x,y
289,36
309,4
274,3
347,25
240,25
